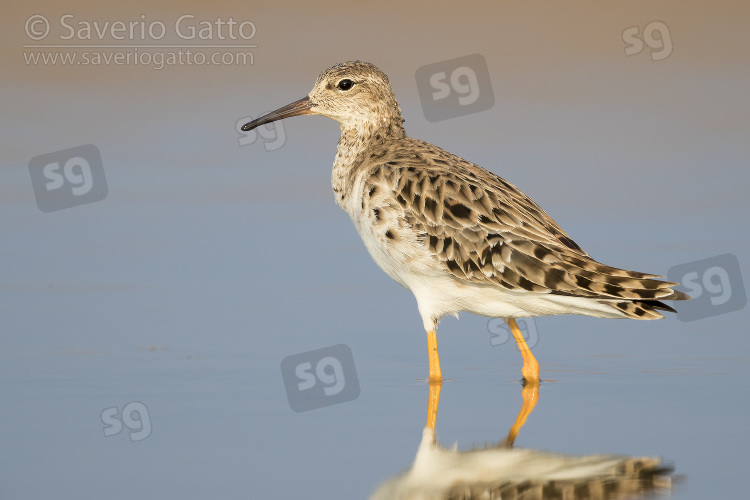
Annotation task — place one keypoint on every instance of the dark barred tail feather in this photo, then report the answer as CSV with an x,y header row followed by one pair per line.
x,y
647,308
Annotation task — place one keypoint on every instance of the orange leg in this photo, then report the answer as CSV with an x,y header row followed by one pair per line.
x,y
530,370
530,395
435,374
432,404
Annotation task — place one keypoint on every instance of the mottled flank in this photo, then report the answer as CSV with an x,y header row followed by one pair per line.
x,y
458,236
485,230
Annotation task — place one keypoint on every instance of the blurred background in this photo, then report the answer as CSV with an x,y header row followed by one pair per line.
x,y
205,256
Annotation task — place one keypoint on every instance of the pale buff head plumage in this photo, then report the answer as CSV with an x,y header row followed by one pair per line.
x,y
357,95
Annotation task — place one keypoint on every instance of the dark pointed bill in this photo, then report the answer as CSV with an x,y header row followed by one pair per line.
x,y
301,107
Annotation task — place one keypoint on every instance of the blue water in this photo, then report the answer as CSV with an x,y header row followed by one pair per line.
x,y
180,293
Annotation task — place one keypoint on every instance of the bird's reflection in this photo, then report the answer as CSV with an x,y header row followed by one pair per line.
x,y
501,471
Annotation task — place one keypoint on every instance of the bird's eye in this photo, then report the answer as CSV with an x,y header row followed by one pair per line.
x,y
345,84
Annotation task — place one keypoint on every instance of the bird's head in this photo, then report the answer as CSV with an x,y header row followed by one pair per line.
x,y
356,94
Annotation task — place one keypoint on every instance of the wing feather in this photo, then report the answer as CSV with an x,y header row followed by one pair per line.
x,y
485,230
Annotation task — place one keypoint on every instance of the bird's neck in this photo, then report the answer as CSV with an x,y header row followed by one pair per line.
x,y
360,141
